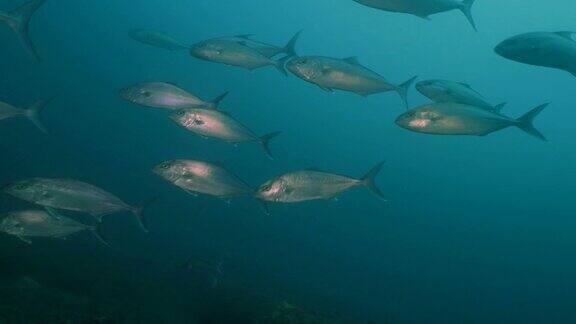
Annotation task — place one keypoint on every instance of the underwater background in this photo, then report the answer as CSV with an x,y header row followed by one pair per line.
x,y
475,230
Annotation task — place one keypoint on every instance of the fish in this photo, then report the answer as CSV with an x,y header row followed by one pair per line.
x,y
19,21
306,185
235,53
449,118
216,124
450,91
344,74
157,39
73,195
423,8
167,96
555,50
202,177
33,113
28,224
265,49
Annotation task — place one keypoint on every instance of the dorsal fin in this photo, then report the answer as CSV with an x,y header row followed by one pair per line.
x,y
352,60
567,34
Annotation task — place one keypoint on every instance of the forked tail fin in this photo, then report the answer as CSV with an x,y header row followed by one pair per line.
x,y
402,90
139,212
525,122
280,64
218,100
290,48
33,114
19,20
466,8
369,180
265,142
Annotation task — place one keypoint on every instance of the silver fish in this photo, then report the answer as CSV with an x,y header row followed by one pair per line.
x,y
554,50
458,119
33,113
450,91
19,20
265,49
216,124
158,39
72,195
308,185
202,177
29,224
344,74
167,96
423,8
234,53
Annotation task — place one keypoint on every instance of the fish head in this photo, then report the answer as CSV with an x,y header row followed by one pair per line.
x,y
189,118
304,67
137,94
11,225
419,120
24,189
170,170
207,50
524,48
271,190
432,89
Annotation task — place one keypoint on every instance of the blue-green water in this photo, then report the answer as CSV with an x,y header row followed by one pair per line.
x,y
476,229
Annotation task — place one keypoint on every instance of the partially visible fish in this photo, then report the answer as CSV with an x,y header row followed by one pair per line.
x,y
345,74
29,224
32,113
308,185
19,20
72,195
450,91
166,95
217,124
202,177
423,8
265,49
234,53
458,119
158,39
554,50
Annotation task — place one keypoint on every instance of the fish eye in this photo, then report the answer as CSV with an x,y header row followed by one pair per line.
x,y
181,113
266,187
21,186
304,61
145,93
165,165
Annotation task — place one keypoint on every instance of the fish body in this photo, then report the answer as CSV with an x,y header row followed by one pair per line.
x,y
265,49
343,74
422,8
450,91
166,95
202,177
459,119
67,194
19,20
157,39
216,124
234,53
39,223
306,185
554,50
